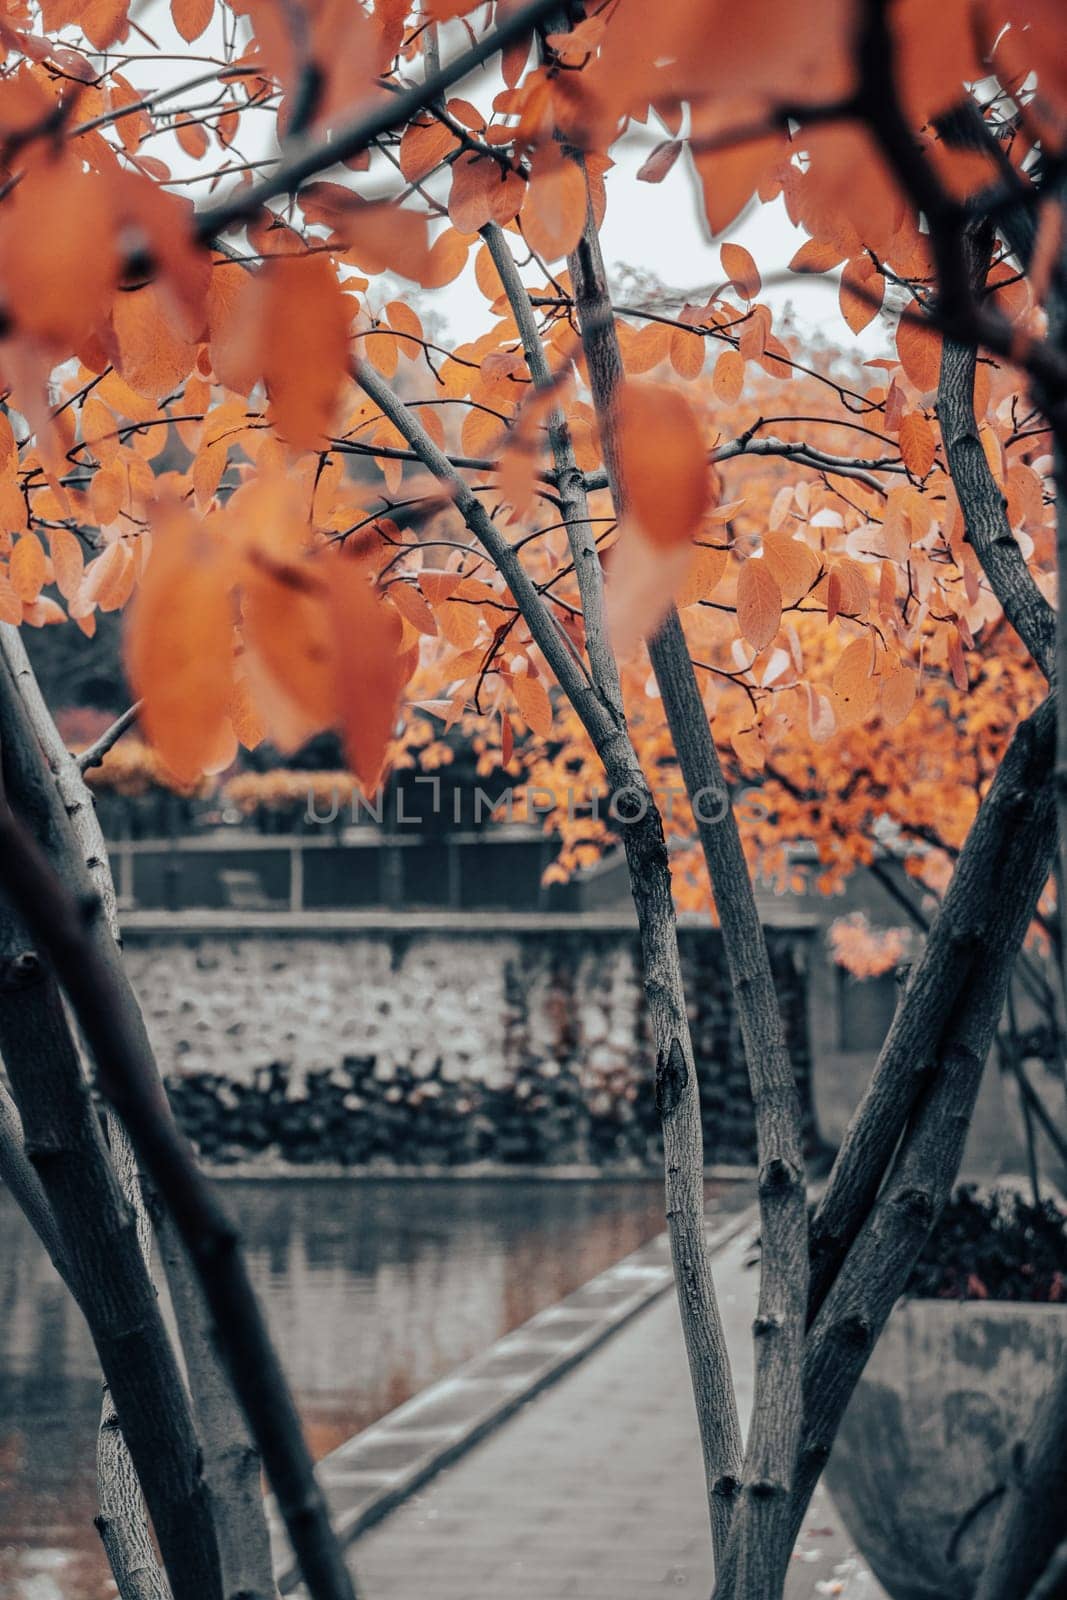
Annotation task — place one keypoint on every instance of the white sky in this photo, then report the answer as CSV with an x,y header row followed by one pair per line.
x,y
655,227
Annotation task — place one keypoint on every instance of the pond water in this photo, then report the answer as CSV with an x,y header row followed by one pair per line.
x,y
372,1289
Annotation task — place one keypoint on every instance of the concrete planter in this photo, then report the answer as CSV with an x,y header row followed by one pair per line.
x,y
927,1437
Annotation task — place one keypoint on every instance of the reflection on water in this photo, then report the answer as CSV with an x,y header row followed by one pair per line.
x,y
372,1290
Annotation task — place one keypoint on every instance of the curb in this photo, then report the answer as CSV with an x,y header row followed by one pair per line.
x,y
274,1168
377,1470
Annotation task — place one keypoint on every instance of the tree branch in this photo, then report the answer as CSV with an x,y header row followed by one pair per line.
x,y
981,499
352,138
93,754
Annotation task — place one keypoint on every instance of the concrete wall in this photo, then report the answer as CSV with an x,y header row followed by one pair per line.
x,y
434,1039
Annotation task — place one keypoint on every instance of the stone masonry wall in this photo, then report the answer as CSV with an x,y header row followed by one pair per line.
x,y
440,1048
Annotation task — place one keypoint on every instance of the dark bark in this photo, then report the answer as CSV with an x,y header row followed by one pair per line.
x,y
956,947
877,1266
88,963
104,1261
1052,1584
1033,1512
677,1090
24,1186
756,1563
985,509
231,1464
231,1460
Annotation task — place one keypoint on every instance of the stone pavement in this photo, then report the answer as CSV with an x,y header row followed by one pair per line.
x,y
593,1489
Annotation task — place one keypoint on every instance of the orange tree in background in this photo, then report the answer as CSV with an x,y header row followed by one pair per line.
x,y
824,566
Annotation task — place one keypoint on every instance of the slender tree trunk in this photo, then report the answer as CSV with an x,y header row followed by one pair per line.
x,y
122,1522
757,1563
677,1087
231,1461
19,1177
876,1268
99,992
107,1270
1033,1513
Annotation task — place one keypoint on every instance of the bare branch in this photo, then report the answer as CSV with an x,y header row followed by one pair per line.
x,y
353,138
981,499
94,754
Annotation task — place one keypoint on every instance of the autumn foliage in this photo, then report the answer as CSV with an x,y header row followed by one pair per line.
x,y
185,435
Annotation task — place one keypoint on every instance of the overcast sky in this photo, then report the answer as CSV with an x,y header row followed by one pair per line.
x,y
657,228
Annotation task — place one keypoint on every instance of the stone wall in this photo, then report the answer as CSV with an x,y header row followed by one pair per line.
x,y
433,1046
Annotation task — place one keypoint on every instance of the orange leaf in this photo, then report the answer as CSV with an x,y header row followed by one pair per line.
x,y
749,748
58,259
861,292
381,236
553,212
10,604
919,348
424,146
413,608
368,671
898,695
191,17
108,579
303,329
759,604
729,176
705,573
68,561
152,357
27,567
853,669
660,162
191,136
728,379
469,203
917,446
446,260
179,644
244,714
847,583
741,270
816,256
687,353
287,657
664,463
531,697
792,563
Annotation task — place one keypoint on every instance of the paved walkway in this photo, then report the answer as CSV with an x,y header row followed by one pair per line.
x,y
593,1490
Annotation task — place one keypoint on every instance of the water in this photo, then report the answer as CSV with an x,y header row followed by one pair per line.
x,y
373,1290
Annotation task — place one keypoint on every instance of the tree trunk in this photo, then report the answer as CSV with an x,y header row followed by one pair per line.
x,y
107,1270
231,1460
677,1092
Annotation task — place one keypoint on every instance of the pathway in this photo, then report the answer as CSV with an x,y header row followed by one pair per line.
x,y
593,1489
